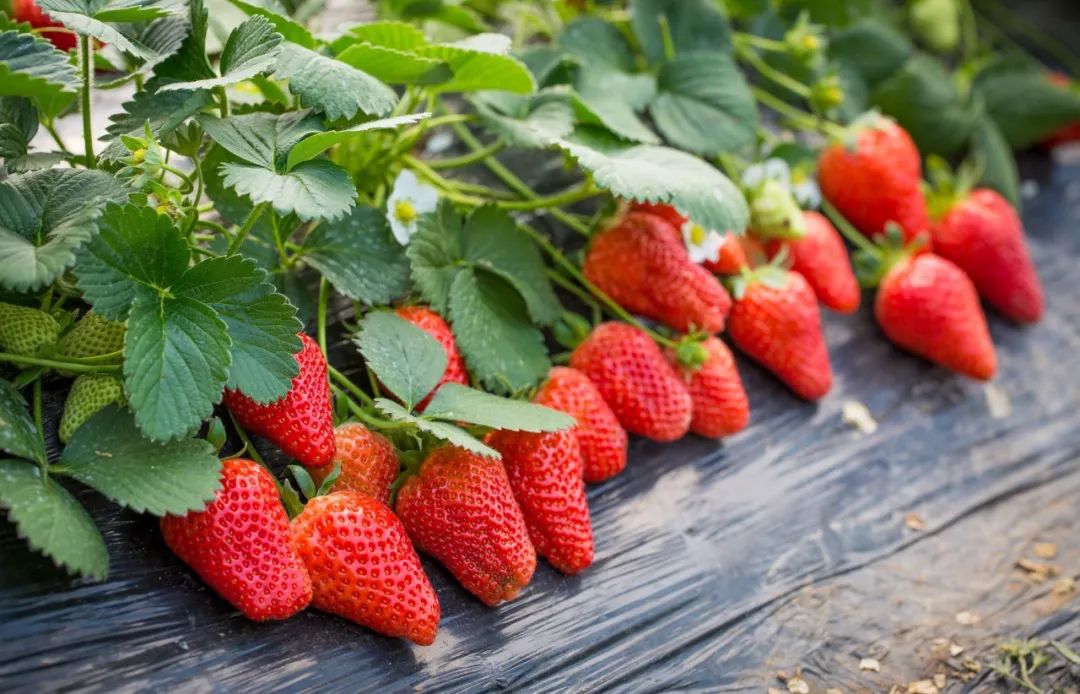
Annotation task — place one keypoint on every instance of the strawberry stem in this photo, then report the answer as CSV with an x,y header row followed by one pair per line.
x,y
86,60
847,229
38,424
62,365
320,329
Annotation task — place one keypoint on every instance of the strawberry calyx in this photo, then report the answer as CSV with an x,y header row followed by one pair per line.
x,y
571,329
690,351
772,274
945,188
869,120
872,263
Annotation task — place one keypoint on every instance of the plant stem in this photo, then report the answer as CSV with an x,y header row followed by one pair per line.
x,y
847,229
249,447
567,197
223,100
86,53
349,385
760,42
767,71
50,127
796,115
248,225
466,159
665,37
324,295
74,367
366,417
38,424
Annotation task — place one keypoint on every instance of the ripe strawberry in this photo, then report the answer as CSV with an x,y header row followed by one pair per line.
x,y
545,474
240,545
776,321
434,325
369,463
601,438
632,375
25,330
459,508
89,394
982,234
821,257
643,265
364,568
732,257
92,336
664,211
28,11
928,306
301,423
876,179
720,404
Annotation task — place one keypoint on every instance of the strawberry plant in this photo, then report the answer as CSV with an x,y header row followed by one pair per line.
x,y
177,276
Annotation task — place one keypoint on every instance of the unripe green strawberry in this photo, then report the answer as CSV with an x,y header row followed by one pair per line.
x,y
936,23
92,336
25,330
774,214
89,394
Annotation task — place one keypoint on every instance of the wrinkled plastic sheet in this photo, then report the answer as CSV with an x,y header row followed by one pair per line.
x,y
717,564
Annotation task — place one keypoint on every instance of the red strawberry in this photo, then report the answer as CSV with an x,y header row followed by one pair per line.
x,y
28,11
1070,132
777,322
982,234
369,463
301,423
434,325
927,305
364,568
720,404
545,473
601,438
821,257
666,212
459,508
732,257
876,179
632,375
643,265
240,545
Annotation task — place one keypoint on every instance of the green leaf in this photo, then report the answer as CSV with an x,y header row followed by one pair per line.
x,y
263,139
400,36
104,20
32,67
526,121
272,11
359,257
661,174
704,104
250,50
695,25
109,454
18,435
18,125
923,99
992,152
394,66
407,360
612,99
44,217
434,251
51,521
597,43
165,111
189,63
331,86
457,403
315,144
500,345
477,67
873,49
1023,103
313,190
441,430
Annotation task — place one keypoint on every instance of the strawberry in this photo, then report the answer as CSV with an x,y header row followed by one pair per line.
x,y
982,234
635,380
876,179
434,325
25,330
459,508
821,257
369,463
665,212
363,566
732,257
28,11
601,438
720,404
545,473
241,546
301,423
928,306
642,264
92,336
776,321
89,394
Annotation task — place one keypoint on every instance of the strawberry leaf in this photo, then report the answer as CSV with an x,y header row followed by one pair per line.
x,y
872,48
315,144
331,86
441,430
1023,103
51,521
400,36
989,148
922,98
32,67
189,62
359,257
478,63
109,454
45,216
18,125
394,66
313,190
457,403
18,435
108,20
526,121
250,50
694,25
407,360
275,14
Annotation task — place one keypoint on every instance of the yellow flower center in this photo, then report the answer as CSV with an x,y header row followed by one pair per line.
x,y
405,212
697,234
811,42
139,155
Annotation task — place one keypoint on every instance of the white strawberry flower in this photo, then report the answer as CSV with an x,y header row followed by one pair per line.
x,y
805,189
769,170
703,245
409,199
